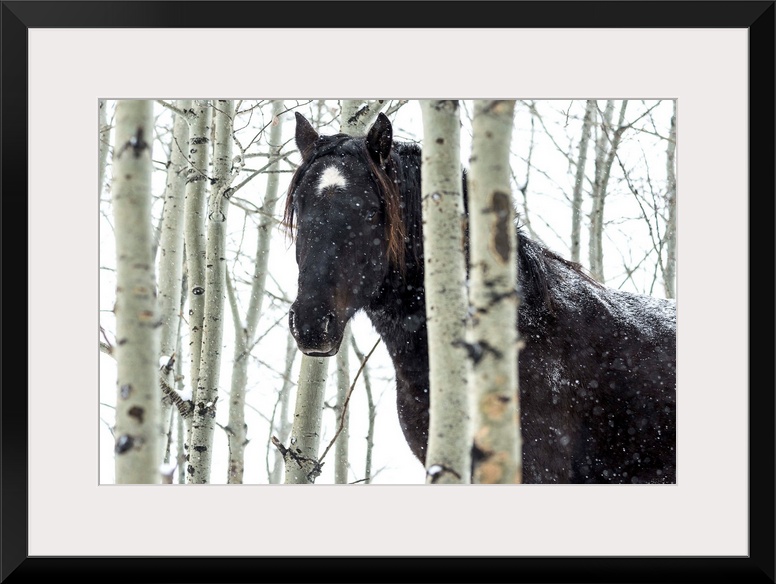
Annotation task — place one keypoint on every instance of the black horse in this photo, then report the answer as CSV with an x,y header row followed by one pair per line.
x,y
597,373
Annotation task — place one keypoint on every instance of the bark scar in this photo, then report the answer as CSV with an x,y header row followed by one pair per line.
x,y
500,240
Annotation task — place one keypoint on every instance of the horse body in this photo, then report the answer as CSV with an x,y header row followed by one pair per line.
x,y
597,370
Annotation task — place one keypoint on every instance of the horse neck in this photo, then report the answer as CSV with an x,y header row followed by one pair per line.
x,y
408,158
399,311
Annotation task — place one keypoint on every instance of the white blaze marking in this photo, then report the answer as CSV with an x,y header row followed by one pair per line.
x,y
331,177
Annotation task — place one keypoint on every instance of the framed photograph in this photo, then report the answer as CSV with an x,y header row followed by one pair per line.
x,y
714,523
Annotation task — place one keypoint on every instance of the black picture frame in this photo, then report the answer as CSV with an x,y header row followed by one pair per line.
x,y
755,16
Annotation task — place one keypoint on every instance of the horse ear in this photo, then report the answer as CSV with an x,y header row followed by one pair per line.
x,y
379,139
305,135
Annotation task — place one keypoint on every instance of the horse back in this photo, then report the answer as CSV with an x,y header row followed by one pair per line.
x,y
598,385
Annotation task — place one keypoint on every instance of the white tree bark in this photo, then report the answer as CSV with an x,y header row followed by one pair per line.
x,y
180,458
284,425
358,115
301,457
669,274
343,414
194,231
171,255
595,253
246,333
171,252
606,149
448,459
138,423
576,213
615,143
181,424
492,339
206,400
237,429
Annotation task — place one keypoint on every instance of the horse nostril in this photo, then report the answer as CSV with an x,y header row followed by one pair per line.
x,y
327,322
291,319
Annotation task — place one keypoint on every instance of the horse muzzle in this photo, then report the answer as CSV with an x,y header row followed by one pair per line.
x,y
317,331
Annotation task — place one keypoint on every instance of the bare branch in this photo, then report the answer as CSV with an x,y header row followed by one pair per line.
x,y
183,113
347,401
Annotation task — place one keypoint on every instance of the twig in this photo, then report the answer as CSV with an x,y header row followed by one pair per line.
x,y
106,346
256,173
184,113
347,400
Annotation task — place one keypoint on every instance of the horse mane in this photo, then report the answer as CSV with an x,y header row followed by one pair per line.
x,y
536,263
399,188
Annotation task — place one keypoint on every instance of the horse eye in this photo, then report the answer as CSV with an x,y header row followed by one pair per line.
x,y
370,215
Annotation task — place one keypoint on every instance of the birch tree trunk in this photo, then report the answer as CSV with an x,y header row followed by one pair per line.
x,y
613,146
237,429
205,403
493,297
595,254
669,275
180,456
576,205
245,334
343,415
284,427
301,457
448,459
178,415
138,423
194,230
358,115
606,150
171,252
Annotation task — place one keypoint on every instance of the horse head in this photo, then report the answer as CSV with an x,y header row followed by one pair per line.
x,y
343,209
